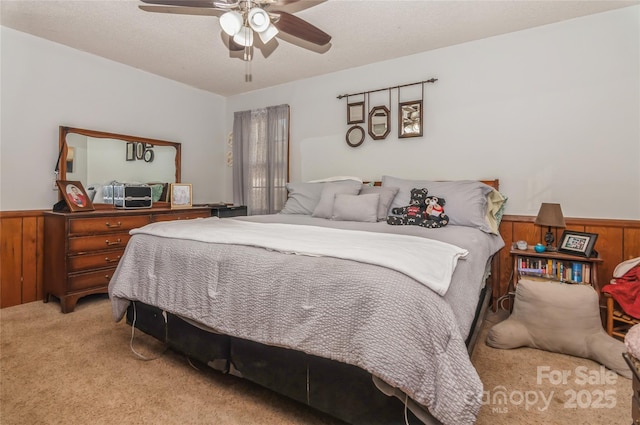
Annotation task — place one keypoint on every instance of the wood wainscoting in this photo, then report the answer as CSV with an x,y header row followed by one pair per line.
x,y
22,255
618,240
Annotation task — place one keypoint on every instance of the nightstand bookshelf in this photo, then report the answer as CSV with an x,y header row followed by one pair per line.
x,y
557,266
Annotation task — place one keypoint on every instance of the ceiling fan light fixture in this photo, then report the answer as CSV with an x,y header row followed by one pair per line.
x,y
258,19
244,37
268,34
231,22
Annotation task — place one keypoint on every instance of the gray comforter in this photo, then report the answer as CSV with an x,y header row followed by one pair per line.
x,y
365,315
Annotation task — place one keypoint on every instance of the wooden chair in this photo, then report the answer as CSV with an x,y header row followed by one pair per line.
x,y
618,322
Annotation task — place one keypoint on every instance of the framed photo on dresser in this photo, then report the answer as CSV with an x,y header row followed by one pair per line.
x,y
181,196
74,195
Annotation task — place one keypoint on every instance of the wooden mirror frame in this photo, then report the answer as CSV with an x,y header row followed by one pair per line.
x,y
352,136
372,114
62,146
355,113
402,120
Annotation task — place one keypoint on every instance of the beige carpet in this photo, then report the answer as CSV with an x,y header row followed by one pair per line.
x,y
78,369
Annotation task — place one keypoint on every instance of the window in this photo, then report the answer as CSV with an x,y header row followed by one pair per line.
x,y
261,159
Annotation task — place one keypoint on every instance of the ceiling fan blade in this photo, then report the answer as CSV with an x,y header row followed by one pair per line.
x,y
300,28
182,10
184,3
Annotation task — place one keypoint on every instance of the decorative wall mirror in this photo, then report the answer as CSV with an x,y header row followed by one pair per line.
x,y
355,113
355,136
410,119
100,158
379,122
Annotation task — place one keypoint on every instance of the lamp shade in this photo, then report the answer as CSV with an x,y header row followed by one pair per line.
x,y
268,34
231,22
244,37
550,215
258,19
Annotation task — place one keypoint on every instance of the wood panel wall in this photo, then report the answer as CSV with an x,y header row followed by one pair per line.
x,y
22,256
618,240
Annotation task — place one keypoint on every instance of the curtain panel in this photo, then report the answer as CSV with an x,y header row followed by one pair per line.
x,y
261,159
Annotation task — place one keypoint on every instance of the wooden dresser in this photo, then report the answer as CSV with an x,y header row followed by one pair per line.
x,y
82,249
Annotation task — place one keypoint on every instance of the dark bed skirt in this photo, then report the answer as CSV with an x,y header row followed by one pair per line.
x,y
340,390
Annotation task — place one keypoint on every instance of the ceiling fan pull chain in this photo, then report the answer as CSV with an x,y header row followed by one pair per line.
x,y
247,64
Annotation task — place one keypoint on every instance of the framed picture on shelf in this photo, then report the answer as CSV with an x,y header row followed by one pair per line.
x,y
181,196
577,243
74,195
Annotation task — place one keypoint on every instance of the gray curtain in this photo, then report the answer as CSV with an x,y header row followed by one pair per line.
x,y
261,159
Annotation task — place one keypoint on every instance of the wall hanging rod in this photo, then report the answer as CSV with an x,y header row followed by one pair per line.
x,y
432,80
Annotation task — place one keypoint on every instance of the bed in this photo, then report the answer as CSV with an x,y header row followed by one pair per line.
x,y
325,302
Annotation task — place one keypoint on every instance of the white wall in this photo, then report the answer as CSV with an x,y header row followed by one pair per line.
x,y
561,103
45,85
553,112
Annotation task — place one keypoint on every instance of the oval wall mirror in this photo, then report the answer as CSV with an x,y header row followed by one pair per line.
x,y
379,122
355,136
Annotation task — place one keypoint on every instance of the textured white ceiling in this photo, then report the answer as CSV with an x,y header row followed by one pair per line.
x,y
189,48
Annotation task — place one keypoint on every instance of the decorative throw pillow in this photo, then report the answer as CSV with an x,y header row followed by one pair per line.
x,y
356,207
324,209
386,197
561,318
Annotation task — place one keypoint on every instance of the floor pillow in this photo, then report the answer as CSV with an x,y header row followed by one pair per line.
x,y
561,318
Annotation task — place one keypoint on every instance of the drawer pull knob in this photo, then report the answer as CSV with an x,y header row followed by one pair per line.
x,y
116,242
109,225
112,260
107,277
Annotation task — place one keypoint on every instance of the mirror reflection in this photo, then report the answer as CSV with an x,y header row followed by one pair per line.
x,y
97,158
355,136
379,122
410,119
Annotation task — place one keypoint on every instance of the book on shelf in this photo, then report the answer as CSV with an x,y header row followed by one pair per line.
x,y
555,269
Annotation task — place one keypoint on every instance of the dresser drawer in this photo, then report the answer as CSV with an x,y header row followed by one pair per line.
x,y
98,242
95,261
86,226
184,215
88,280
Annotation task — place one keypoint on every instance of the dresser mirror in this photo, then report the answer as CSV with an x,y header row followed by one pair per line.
x,y
96,158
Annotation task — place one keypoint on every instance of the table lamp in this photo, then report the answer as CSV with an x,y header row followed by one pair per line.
x,y
550,215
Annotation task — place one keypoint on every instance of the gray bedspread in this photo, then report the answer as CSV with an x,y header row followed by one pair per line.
x,y
365,315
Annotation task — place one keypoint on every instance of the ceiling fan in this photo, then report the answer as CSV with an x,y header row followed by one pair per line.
x,y
242,20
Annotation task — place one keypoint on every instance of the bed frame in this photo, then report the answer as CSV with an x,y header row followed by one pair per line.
x,y
340,390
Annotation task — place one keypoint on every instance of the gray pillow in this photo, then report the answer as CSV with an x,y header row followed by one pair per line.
x,y
302,198
356,207
324,209
466,200
387,194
